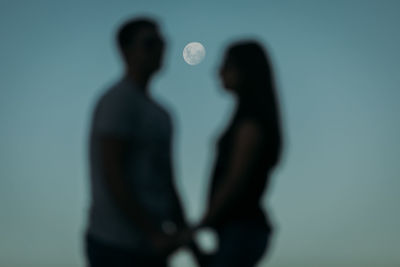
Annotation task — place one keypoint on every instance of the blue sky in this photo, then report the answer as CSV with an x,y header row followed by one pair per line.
x,y
335,195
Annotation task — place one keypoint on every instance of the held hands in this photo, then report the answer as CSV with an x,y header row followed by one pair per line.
x,y
166,244
187,237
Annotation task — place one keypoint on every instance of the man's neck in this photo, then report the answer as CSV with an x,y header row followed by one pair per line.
x,y
140,79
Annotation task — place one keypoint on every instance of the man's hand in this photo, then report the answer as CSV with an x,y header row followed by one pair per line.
x,y
164,244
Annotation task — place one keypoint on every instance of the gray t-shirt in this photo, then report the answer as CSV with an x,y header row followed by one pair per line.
x,y
126,112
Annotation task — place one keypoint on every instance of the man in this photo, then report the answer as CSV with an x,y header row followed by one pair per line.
x,y
135,213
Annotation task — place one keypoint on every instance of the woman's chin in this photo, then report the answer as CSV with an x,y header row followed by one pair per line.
x,y
228,88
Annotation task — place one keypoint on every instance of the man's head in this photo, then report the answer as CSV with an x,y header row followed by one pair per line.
x,y
141,45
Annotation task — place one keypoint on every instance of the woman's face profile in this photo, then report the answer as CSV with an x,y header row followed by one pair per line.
x,y
230,74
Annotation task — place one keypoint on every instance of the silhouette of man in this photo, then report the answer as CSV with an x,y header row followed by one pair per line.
x,y
135,213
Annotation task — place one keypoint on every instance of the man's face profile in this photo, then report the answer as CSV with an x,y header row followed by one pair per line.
x,y
148,49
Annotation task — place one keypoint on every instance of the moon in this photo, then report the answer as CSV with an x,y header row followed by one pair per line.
x,y
194,53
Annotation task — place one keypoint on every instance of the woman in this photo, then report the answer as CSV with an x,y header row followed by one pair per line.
x,y
248,150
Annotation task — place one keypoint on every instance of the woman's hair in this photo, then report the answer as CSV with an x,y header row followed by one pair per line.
x,y
254,67
257,90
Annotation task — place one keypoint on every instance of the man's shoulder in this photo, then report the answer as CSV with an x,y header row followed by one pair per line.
x,y
117,91
118,95
116,111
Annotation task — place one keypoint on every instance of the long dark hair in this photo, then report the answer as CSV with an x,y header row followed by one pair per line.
x,y
257,90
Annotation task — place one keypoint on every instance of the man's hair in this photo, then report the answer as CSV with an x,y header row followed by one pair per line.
x,y
128,32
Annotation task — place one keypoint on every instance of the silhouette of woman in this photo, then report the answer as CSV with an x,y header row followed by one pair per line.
x,y
247,152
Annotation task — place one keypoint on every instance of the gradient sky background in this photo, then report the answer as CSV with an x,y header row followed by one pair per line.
x,y
335,197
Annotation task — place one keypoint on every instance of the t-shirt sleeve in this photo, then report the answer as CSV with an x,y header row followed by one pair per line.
x,y
115,117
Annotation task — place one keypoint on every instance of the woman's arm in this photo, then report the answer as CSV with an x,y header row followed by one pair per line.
x,y
247,146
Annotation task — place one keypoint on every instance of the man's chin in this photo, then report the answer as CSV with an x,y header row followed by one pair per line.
x,y
157,67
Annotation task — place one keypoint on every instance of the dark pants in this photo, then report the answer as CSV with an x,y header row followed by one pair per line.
x,y
241,244
100,254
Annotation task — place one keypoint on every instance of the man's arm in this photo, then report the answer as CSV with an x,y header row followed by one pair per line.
x,y
185,233
113,152
180,218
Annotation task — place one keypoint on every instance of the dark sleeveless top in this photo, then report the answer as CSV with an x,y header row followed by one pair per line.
x,y
248,204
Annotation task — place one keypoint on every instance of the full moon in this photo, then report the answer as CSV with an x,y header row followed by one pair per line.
x,y
194,53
